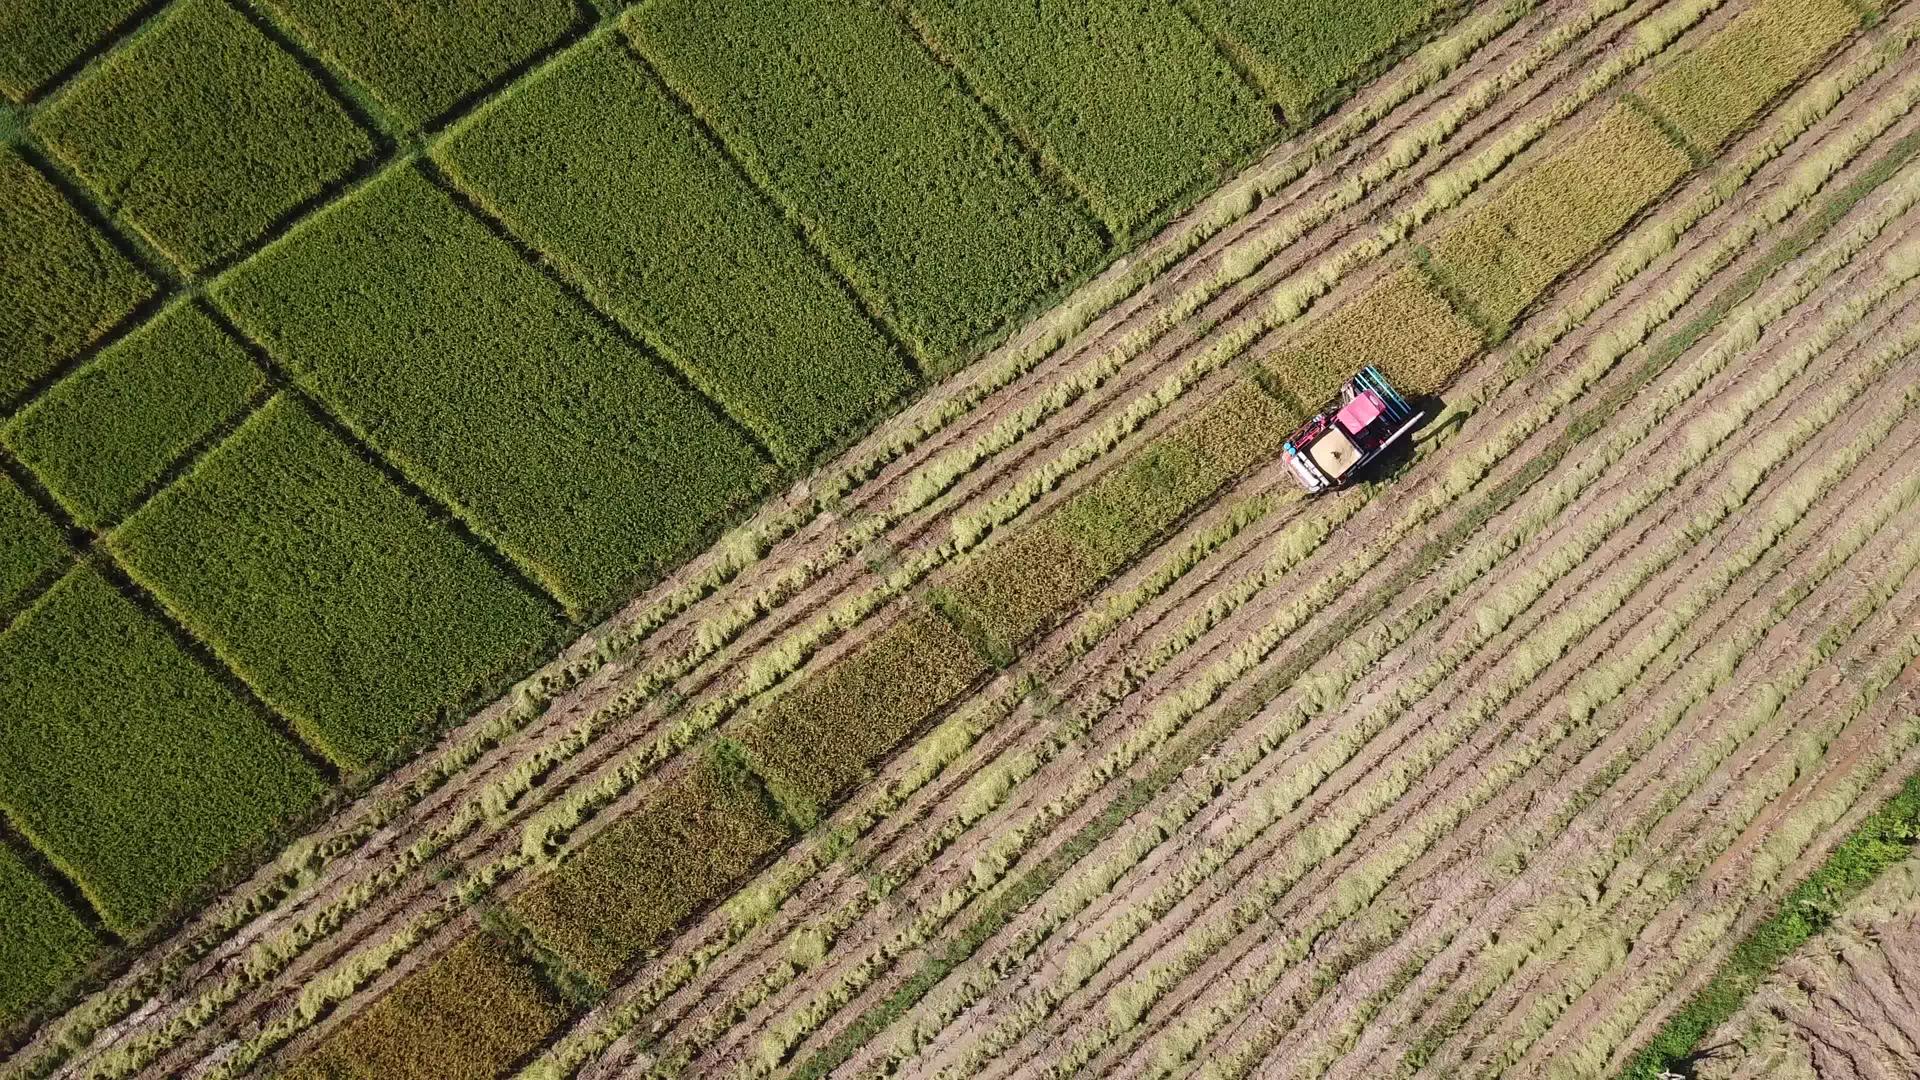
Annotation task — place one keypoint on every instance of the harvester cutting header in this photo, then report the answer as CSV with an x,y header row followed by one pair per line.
x,y
1365,418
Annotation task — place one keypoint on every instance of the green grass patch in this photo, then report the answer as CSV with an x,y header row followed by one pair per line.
x,y
943,221
126,761
623,891
1007,592
821,737
594,164
423,57
1305,51
468,1014
1128,96
66,285
201,133
493,388
1710,92
45,946
1555,213
42,38
32,548
102,437
1401,323
330,590
1882,840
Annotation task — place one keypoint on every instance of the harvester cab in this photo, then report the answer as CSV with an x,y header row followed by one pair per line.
x,y
1365,418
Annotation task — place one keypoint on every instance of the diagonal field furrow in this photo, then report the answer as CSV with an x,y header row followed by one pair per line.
x,y
392,838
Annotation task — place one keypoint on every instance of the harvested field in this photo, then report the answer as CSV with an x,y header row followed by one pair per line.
x,y
1048,730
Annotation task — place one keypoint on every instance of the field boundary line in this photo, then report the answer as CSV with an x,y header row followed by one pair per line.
x,y
134,24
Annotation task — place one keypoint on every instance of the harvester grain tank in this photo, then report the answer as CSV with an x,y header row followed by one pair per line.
x,y
1360,422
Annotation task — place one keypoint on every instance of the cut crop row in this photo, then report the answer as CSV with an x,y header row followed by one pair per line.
x,y
1736,564
1082,962
1159,974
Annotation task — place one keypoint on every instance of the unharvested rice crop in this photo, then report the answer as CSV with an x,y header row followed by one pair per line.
x,y
104,795
1129,97
202,133
106,435
1038,725
83,286
932,212
32,551
519,386
422,59
285,510
39,38
695,259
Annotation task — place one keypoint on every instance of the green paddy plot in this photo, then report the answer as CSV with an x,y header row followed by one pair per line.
x,y
1304,51
32,549
494,389
593,163
421,58
940,218
45,945
1129,96
331,591
102,437
80,284
202,133
41,38
135,768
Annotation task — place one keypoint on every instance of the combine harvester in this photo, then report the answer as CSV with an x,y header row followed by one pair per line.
x,y
1365,418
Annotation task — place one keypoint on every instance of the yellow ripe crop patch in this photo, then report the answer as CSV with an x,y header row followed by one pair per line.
x,y
1711,92
1401,324
471,1012
629,885
1556,213
815,741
